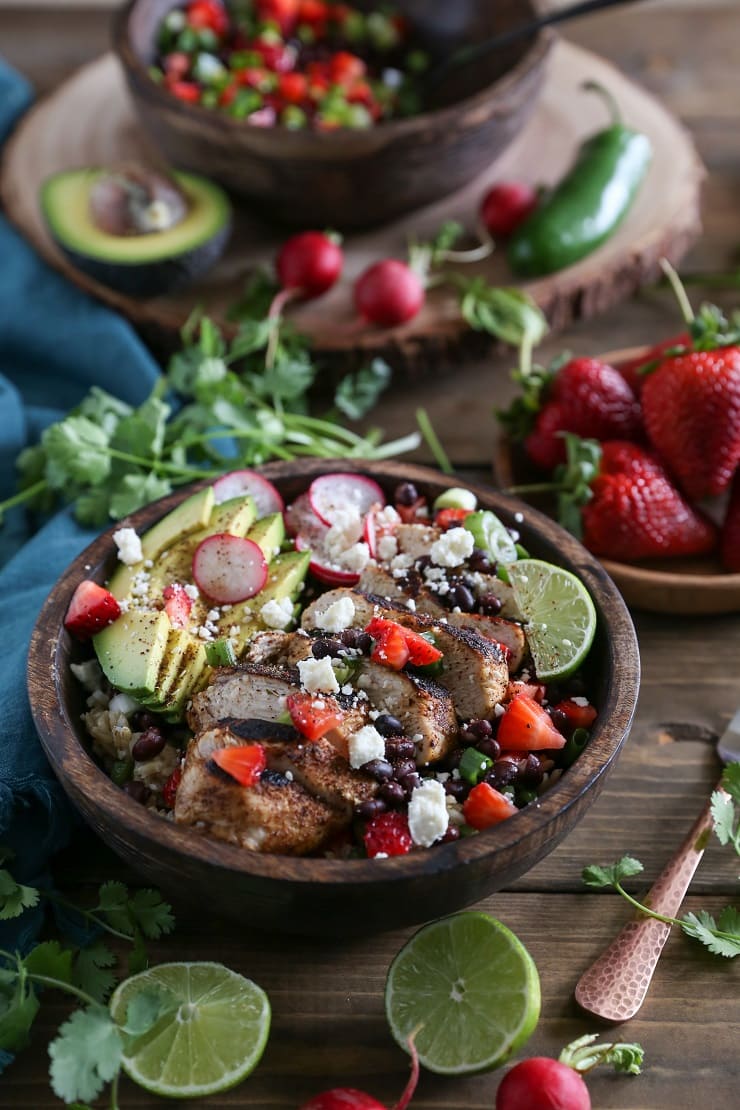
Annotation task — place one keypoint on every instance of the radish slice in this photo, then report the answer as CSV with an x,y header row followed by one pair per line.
x,y
332,494
313,540
229,568
300,517
376,527
239,482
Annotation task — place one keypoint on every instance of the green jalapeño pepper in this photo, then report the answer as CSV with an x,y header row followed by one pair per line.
x,y
590,202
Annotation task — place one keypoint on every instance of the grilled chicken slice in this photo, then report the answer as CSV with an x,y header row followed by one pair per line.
x,y
254,690
380,582
502,631
424,709
277,649
323,773
365,609
416,539
275,815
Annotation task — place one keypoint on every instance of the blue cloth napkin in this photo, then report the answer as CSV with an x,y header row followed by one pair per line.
x,y
55,342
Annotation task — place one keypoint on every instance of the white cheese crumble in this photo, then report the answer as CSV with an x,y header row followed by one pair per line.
x,y
387,548
428,816
364,745
355,558
317,676
580,701
337,616
129,546
452,548
277,613
192,591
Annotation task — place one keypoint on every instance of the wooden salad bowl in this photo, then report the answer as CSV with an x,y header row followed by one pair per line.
x,y
320,896
350,179
690,586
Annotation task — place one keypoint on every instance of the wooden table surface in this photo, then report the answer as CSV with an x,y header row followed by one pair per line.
x,y
328,1024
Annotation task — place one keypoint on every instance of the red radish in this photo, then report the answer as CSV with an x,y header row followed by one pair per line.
x,y
239,482
177,605
349,1098
323,571
229,568
299,516
507,205
309,263
92,608
542,1084
333,494
376,527
389,293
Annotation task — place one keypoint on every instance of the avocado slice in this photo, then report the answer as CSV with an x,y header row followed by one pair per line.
x,y
193,669
286,576
268,533
131,650
146,264
175,658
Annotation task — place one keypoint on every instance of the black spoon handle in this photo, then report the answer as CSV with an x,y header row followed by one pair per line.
x,y
479,50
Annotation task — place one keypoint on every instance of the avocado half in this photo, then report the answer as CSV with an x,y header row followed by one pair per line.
x,y
141,265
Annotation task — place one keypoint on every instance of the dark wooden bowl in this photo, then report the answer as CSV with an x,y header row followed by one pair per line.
x,y
349,179
319,896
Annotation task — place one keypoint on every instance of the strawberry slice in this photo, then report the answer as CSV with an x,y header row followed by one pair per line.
x,y
579,716
414,513
92,607
526,727
314,715
177,605
485,806
388,835
420,652
450,518
533,690
245,762
169,790
391,648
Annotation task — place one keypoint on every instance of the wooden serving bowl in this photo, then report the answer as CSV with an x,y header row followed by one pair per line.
x,y
349,179
320,896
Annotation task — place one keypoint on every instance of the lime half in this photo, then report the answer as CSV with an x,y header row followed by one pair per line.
x,y
211,1038
470,988
559,615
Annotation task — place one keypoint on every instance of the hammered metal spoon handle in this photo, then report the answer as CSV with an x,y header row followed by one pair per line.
x,y
614,987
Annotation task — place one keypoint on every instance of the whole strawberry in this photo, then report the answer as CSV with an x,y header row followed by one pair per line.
x,y
730,539
636,512
589,398
691,409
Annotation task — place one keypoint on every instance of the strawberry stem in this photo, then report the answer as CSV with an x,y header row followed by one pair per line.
x,y
410,1087
679,292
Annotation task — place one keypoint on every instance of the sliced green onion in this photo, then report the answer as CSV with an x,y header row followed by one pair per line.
x,y
220,653
473,766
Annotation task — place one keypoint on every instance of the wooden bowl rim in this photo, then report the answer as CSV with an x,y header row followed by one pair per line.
x,y
535,56
71,760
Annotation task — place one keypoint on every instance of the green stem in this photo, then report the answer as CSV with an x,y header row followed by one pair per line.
x,y
114,1091
644,909
432,441
157,464
535,487
678,290
69,988
89,914
24,495
606,96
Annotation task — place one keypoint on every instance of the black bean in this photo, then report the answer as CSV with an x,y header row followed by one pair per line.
x,y
372,807
399,747
575,687
379,769
490,605
149,744
460,597
406,493
457,789
410,782
490,747
322,648
453,833
136,790
531,774
143,720
364,642
423,562
453,759
388,725
502,773
392,793
480,562
403,767
475,731
559,719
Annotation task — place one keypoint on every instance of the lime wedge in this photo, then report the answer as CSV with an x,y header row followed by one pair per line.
x,y
211,1037
559,615
491,535
470,988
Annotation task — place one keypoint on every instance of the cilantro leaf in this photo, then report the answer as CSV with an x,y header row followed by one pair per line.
x,y
731,780
146,1008
704,928
151,913
50,960
357,393
103,409
14,897
138,959
91,970
18,1008
135,490
142,433
624,868
723,817
85,1055
93,505
507,314
76,452
113,900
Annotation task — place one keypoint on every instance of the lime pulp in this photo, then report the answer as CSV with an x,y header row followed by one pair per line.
x,y
469,988
209,1040
559,615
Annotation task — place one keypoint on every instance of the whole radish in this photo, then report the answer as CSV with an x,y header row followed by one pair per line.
x,y
309,264
507,205
541,1083
348,1098
389,293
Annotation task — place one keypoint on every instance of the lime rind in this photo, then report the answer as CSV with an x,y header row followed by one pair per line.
x,y
559,615
213,1039
469,988
491,535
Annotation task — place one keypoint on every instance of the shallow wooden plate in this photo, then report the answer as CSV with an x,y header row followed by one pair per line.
x,y
684,587
90,120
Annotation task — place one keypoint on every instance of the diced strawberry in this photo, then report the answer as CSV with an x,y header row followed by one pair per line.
x,y
254,77
282,12
360,92
422,653
293,87
92,607
346,68
450,518
227,96
525,726
412,514
533,690
244,762
177,605
485,806
176,65
313,12
579,716
389,635
207,14
185,90
388,834
314,714
169,790
391,648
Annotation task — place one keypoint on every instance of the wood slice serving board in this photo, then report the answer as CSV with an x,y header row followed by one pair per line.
x,y
90,121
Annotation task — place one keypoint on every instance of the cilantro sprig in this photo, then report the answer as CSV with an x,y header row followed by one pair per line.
x,y
221,404
721,935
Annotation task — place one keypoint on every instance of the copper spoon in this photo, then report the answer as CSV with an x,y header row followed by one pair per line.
x,y
615,986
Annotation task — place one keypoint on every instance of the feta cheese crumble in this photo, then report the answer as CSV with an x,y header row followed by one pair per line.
x,y
452,548
277,613
317,676
387,548
428,815
337,616
364,745
129,546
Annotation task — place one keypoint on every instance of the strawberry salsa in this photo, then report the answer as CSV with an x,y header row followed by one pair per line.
x,y
366,686
293,63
